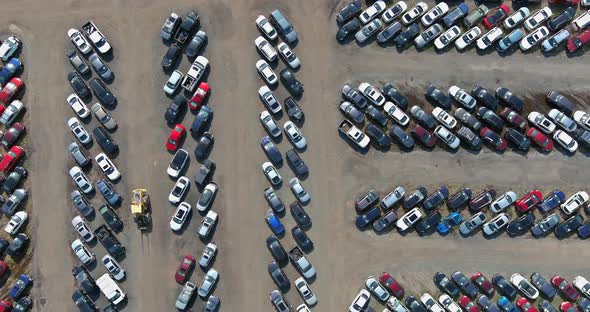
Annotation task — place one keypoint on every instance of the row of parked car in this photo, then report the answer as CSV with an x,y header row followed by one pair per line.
x,y
11,109
265,45
177,30
379,19
421,212
469,124
462,293
92,46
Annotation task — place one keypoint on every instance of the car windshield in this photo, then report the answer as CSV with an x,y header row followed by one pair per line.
x,y
205,197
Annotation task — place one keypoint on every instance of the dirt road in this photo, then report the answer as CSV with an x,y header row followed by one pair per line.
x,y
343,256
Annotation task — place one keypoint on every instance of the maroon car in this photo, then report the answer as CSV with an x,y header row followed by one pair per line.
x,y
482,199
12,135
565,288
483,283
493,139
392,285
424,136
513,119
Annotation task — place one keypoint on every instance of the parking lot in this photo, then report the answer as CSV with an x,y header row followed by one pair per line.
x,y
343,256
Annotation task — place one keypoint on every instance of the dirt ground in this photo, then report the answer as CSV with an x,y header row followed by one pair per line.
x,y
343,256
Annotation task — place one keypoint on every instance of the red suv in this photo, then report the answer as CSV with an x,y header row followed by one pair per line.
x,y
11,158
574,43
496,16
529,201
540,139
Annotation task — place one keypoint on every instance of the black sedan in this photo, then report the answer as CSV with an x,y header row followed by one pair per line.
x,y
174,51
465,284
446,285
509,99
521,225
398,134
436,198
296,163
378,136
204,144
415,305
423,117
302,239
395,96
354,96
459,199
518,139
300,215
78,84
504,286
278,276
414,198
276,249
376,116
568,226
484,97
437,97
490,118
291,83
102,93
428,224
175,109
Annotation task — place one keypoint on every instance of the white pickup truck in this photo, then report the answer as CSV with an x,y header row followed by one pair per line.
x,y
110,289
195,73
96,37
347,128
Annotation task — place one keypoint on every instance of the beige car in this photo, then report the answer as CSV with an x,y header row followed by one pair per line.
x,y
103,117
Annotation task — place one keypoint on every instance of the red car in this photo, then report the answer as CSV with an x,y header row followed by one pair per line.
x,y
540,139
10,136
424,136
567,306
11,89
5,306
577,41
392,285
3,267
495,17
566,289
483,283
513,118
197,100
467,304
567,2
529,201
493,139
187,264
175,138
11,158
525,305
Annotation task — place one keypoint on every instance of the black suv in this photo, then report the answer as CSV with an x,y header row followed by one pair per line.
x,y
105,141
109,241
102,93
291,83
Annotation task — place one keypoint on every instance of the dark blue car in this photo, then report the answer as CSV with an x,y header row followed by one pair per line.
x,y
552,201
271,150
108,192
20,285
9,70
201,120
456,14
584,231
436,198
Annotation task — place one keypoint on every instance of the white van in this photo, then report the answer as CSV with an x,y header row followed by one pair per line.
x,y
110,289
581,21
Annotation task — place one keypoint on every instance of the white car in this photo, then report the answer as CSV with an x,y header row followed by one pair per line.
x,y
288,56
77,105
462,97
533,38
541,122
449,304
443,134
360,302
105,119
581,21
81,180
16,222
396,305
373,94
79,131
8,47
303,288
177,163
206,198
294,135
298,190
368,31
302,308
489,38
107,167
444,118
582,285
208,282
115,269
524,286
207,224
265,48
271,173
565,140
414,13
265,27
169,26
269,99
396,113
179,189
82,228
468,38
376,289
516,18
266,72
430,303
81,251
447,37
562,120
409,219
11,112
583,119
503,202
79,41
372,11
435,13
496,224
537,19
392,13
208,254
574,202
269,124
173,82
180,216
